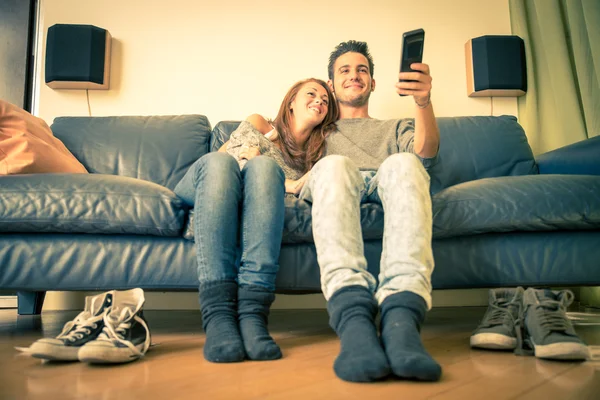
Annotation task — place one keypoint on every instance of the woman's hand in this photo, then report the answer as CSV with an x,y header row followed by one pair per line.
x,y
296,186
293,187
248,153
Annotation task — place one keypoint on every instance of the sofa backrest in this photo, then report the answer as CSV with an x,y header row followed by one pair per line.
x,y
470,148
221,133
480,147
159,149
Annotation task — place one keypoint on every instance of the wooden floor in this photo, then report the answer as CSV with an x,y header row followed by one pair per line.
x,y
176,369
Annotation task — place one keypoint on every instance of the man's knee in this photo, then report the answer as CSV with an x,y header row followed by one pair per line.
x,y
404,164
334,166
337,173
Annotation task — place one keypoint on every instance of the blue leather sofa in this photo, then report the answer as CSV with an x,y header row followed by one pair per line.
x,y
501,217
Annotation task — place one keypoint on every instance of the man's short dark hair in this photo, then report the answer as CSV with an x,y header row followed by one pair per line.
x,y
347,47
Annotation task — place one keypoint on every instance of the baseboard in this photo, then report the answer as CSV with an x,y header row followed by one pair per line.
x,y
590,296
8,301
189,300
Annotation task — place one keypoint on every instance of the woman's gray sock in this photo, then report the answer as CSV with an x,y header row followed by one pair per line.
x,y
218,302
254,304
401,317
352,312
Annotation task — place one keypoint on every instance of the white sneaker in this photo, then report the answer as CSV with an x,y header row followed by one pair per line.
x,y
76,333
125,336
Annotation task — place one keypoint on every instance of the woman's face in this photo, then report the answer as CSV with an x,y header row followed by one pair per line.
x,y
310,105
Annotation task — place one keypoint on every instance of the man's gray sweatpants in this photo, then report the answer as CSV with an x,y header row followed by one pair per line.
x,y
336,188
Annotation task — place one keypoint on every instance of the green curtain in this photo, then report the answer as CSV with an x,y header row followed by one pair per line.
x,y
562,46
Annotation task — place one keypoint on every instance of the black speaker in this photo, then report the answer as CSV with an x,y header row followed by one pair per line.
x,y
496,66
77,57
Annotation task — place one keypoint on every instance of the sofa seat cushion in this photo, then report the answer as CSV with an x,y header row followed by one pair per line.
x,y
93,203
519,203
502,204
298,222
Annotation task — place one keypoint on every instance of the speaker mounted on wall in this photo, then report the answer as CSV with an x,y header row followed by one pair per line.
x,y
77,57
496,66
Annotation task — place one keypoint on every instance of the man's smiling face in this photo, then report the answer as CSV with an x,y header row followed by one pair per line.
x,y
352,82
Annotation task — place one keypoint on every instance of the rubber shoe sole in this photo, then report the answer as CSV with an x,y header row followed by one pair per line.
x,y
562,351
493,341
53,350
104,352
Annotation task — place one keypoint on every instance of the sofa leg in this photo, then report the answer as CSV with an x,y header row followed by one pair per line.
x,y
30,303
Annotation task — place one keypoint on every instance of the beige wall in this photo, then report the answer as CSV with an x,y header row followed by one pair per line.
x,y
590,296
230,58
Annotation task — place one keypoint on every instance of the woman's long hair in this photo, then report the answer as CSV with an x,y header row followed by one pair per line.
x,y
294,156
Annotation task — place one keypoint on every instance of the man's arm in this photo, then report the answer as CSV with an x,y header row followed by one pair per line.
x,y
427,133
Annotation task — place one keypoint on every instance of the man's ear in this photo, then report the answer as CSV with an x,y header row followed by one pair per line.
x,y
330,84
372,85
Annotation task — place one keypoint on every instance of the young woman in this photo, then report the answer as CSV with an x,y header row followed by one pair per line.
x,y
238,199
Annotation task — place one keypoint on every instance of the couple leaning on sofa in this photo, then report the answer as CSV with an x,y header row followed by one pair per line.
x,y
324,148
335,164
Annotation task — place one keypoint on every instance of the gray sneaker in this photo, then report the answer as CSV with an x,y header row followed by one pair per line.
x,y
547,331
497,329
86,327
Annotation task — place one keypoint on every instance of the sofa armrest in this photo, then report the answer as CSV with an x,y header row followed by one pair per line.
x,y
581,158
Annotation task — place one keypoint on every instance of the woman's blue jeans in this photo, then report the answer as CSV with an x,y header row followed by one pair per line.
x,y
238,218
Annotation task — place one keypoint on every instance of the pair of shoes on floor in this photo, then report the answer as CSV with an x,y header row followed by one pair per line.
x,y
530,322
111,329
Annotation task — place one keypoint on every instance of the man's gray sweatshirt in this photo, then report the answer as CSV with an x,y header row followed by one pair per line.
x,y
368,142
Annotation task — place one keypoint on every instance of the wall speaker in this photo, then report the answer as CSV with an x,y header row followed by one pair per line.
x,y
496,66
77,57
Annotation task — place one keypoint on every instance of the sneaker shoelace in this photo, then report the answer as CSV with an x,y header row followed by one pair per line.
x,y
83,323
553,318
116,326
501,314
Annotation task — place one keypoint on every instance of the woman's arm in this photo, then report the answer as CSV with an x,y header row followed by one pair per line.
x,y
295,186
259,123
223,149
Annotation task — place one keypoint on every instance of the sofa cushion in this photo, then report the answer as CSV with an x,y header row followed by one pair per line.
x,y
91,203
524,203
159,149
503,204
480,147
580,158
27,145
220,134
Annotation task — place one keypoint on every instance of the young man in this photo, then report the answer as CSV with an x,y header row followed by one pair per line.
x,y
370,160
